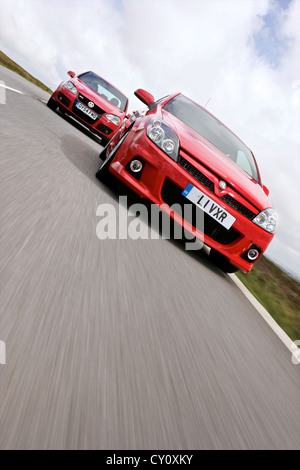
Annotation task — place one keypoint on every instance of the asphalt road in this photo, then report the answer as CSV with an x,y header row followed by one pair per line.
x,y
119,344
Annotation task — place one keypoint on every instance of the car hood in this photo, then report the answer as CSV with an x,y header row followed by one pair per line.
x,y
219,163
97,99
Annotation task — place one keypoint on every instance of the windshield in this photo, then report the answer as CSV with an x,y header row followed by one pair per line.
x,y
213,131
104,89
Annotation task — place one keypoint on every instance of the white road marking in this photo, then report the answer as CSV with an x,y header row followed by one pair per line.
x,y
265,314
12,89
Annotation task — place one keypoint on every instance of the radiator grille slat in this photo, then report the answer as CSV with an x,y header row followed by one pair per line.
x,y
196,173
209,184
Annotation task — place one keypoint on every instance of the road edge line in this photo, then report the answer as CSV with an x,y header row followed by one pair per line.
x,y
265,314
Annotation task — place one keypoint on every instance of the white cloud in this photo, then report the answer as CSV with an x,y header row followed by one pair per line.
x,y
204,48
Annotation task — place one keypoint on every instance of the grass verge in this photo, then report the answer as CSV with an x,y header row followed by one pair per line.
x,y
277,292
11,65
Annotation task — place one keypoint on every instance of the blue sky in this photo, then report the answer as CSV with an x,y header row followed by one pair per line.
x,y
270,42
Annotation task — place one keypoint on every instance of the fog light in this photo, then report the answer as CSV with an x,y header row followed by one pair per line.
x,y
252,254
136,166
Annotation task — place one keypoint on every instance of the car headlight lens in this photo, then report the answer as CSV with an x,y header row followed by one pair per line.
x,y
71,87
114,119
164,137
267,219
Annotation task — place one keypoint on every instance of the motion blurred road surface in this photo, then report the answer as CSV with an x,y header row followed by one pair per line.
x,y
119,344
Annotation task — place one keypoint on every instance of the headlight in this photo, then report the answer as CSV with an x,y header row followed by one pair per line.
x,y
71,87
164,137
114,119
267,219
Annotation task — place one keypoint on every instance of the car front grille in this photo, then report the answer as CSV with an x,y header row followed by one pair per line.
x,y
195,173
83,99
238,206
172,195
82,115
209,184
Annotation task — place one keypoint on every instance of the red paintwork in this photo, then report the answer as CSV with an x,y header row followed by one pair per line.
x,y
212,162
97,99
144,96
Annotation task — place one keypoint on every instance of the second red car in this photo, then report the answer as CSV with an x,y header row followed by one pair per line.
x,y
93,102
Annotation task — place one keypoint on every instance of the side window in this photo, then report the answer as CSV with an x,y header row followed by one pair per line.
x,y
243,162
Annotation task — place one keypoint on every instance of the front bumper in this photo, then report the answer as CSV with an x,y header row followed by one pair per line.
x,y
101,126
162,182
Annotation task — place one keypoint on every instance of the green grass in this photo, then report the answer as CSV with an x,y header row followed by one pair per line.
x,y
10,64
277,292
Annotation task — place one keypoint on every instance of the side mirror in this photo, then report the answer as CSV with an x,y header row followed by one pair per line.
x,y
266,190
145,97
72,74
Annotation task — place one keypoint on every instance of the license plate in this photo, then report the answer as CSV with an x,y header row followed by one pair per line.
x,y
209,206
87,111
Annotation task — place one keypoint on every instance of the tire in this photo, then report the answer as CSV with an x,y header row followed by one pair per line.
x,y
103,174
222,262
103,153
104,141
52,104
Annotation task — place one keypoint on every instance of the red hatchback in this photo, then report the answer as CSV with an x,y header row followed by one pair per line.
x,y
180,157
93,102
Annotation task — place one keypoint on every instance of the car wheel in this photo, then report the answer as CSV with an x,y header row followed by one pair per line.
x,y
102,154
104,141
222,262
103,174
52,104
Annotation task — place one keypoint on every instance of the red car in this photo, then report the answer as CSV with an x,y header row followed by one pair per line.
x,y
93,102
176,155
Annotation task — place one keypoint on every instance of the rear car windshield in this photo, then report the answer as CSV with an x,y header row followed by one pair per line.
x,y
104,89
214,131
